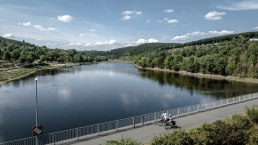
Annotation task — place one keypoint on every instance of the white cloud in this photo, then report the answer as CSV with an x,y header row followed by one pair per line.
x,y
82,35
127,15
151,40
198,34
71,44
240,5
74,44
223,32
214,15
127,12
92,30
172,21
25,24
65,18
98,43
87,44
8,35
110,42
256,28
168,11
40,28
99,25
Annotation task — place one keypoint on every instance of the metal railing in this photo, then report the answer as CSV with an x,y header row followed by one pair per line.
x,y
87,132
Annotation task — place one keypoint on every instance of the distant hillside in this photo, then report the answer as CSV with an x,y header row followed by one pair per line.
x,y
132,50
230,55
218,39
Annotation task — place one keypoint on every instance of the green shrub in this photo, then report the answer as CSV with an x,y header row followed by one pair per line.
x,y
253,138
222,132
243,122
252,114
123,141
179,137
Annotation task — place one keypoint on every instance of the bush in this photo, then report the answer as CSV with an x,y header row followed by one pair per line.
x,y
252,114
179,137
123,141
241,121
253,138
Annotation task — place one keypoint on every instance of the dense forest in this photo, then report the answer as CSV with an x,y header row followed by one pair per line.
x,y
25,53
231,55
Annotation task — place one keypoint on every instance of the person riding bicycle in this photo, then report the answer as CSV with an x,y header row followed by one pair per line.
x,y
164,116
171,121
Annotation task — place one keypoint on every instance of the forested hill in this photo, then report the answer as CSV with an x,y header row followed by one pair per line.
x,y
231,55
20,52
132,50
218,39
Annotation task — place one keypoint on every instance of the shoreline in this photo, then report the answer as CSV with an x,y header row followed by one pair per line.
x,y
201,75
35,70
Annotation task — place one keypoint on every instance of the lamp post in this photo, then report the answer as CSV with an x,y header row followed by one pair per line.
x,y
36,79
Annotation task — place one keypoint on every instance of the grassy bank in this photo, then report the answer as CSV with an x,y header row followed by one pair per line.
x,y
15,73
201,75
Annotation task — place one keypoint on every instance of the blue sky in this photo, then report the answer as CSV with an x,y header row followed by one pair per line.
x,y
108,24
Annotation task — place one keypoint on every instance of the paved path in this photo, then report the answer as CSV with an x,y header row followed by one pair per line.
x,y
146,133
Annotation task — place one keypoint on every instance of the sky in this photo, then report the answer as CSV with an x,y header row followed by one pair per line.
x,y
109,24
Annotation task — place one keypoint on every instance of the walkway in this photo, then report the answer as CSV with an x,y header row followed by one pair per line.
x,y
146,133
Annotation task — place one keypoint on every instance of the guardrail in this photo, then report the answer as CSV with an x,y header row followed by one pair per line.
x,y
86,132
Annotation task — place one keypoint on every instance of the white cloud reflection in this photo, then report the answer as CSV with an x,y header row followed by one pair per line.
x,y
64,95
129,100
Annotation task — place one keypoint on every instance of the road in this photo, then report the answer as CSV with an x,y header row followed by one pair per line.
x,y
146,133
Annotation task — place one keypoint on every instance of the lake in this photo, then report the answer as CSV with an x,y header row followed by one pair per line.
x,y
82,95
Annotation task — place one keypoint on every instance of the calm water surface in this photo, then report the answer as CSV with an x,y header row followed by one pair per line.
x,y
88,94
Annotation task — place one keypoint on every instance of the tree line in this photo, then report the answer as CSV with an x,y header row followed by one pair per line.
x,y
23,52
235,57
128,52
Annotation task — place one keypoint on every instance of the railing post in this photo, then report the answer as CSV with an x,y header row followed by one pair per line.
x,y
133,121
188,108
77,133
227,101
249,96
99,128
155,116
214,105
198,106
117,125
142,119
54,141
206,106
177,111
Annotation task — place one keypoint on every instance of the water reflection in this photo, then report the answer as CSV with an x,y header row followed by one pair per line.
x,y
217,88
64,94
